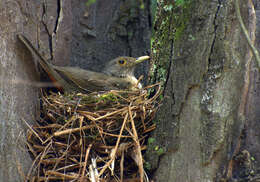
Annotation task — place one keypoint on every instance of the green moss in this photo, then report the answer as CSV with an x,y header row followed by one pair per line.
x,y
171,21
180,2
147,166
108,97
159,150
168,7
90,2
156,149
161,97
105,98
182,14
151,141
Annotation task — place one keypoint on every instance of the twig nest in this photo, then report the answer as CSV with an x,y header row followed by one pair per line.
x,y
92,137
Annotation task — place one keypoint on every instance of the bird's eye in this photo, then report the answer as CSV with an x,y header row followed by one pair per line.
x,y
122,62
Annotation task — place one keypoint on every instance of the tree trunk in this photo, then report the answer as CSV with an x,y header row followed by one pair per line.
x,y
107,29
18,97
202,58
66,32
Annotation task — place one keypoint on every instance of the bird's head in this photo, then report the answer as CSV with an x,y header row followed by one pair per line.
x,y
123,66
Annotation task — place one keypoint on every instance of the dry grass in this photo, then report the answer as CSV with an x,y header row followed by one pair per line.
x,y
94,137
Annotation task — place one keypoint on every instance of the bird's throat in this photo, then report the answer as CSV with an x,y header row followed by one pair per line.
x,y
133,80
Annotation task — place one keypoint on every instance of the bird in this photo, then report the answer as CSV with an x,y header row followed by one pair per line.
x,y
118,74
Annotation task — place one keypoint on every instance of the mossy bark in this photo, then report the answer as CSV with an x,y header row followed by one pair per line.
x,y
200,56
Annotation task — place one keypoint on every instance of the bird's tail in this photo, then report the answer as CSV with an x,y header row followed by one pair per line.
x,y
33,50
48,68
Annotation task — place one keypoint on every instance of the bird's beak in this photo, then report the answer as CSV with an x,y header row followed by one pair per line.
x,y
141,59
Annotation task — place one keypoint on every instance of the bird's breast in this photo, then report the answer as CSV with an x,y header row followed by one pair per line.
x,y
134,82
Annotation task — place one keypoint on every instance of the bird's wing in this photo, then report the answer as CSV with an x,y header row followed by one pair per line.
x,y
92,81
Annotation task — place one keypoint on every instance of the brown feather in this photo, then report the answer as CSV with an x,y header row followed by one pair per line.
x,y
117,74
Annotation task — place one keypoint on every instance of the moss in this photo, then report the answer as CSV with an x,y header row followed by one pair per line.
x,y
147,166
159,150
156,149
90,2
170,24
151,140
108,97
182,13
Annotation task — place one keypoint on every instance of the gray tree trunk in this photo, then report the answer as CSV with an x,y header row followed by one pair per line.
x,y
203,59
18,98
66,32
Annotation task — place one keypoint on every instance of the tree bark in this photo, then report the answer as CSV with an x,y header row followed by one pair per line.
x,y
202,58
250,142
107,29
66,32
18,96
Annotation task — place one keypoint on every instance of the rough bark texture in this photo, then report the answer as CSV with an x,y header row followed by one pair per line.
x,y
202,115
66,32
250,144
18,97
252,139
107,29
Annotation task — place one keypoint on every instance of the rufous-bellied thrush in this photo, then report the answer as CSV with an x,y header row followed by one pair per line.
x,y
117,73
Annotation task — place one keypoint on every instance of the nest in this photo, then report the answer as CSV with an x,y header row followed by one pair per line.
x,y
92,137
